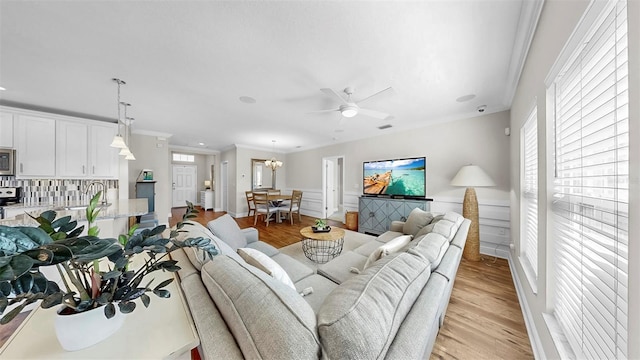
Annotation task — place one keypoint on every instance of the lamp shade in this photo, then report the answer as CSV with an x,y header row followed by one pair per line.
x,y
472,176
207,184
118,142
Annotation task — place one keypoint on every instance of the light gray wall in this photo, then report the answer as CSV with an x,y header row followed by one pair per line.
x,y
447,146
558,20
150,156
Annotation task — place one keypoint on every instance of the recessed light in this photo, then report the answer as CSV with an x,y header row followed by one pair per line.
x,y
466,98
384,126
298,147
247,99
2,89
201,143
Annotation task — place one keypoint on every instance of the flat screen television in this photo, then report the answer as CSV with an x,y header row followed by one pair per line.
x,y
397,177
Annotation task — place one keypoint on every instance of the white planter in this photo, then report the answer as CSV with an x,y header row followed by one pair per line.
x,y
81,330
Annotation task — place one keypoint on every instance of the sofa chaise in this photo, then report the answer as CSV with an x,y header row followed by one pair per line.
x,y
385,299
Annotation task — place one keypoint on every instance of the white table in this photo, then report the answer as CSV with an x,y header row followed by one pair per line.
x,y
165,330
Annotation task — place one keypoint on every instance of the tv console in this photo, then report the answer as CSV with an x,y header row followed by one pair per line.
x,y
375,213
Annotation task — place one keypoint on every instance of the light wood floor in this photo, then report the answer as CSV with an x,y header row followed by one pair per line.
x,y
483,321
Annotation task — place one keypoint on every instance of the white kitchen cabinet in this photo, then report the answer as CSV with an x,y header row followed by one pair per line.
x,y
35,146
71,149
103,159
83,150
6,130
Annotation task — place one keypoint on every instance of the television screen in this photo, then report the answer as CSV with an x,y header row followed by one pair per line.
x,y
400,177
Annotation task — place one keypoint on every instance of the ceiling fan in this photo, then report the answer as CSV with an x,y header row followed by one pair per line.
x,y
349,108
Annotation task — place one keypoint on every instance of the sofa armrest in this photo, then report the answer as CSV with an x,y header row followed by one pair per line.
x,y
396,226
251,234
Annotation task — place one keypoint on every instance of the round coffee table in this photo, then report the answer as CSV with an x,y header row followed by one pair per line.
x,y
321,247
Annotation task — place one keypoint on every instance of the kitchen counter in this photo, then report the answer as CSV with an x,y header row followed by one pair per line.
x,y
118,209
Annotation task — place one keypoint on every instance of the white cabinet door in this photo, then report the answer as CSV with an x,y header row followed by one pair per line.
x,y
36,146
103,159
6,130
71,149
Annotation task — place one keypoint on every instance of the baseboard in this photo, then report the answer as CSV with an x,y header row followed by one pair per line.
x,y
532,331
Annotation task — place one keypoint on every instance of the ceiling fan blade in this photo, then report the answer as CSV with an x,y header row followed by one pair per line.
x,y
322,111
332,93
375,114
370,96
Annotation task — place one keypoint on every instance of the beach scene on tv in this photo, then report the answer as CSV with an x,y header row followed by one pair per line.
x,y
404,177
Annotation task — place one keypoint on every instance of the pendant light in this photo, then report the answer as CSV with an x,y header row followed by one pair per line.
x,y
118,141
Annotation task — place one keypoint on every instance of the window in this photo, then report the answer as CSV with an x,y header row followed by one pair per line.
x,y
591,190
183,157
529,196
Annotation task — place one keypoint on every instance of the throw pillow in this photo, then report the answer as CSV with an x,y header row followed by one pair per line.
x,y
227,229
429,228
387,249
417,219
266,264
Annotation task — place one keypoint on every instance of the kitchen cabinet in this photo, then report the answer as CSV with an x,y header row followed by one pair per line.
x,y
103,159
6,130
36,146
71,149
83,150
376,214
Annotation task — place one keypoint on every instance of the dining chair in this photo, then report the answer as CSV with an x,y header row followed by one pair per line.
x,y
274,192
250,205
293,206
263,207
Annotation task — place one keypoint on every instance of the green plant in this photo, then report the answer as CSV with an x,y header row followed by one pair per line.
x,y
95,272
321,223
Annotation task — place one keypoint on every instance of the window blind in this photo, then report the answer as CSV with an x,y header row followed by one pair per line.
x,y
529,184
591,191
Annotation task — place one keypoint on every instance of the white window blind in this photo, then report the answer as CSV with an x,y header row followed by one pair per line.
x,y
590,206
529,189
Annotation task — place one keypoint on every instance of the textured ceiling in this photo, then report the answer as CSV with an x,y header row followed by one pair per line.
x,y
187,63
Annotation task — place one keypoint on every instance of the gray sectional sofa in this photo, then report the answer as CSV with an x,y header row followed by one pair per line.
x,y
391,309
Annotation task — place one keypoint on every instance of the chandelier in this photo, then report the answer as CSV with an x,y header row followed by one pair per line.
x,y
273,163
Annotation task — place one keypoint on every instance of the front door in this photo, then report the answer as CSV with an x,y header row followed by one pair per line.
x,y
184,184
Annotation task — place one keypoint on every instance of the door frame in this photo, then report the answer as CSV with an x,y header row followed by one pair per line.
x,y
224,185
195,184
325,182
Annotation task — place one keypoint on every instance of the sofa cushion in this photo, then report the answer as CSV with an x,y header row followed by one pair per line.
x,y
361,317
264,248
417,219
449,225
263,262
268,319
388,248
338,270
293,267
321,288
429,228
432,247
367,248
226,228
388,236
197,256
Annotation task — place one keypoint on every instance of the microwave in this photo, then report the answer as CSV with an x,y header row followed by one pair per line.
x,y
7,162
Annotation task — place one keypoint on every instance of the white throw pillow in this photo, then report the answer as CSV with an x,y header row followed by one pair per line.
x,y
268,265
389,248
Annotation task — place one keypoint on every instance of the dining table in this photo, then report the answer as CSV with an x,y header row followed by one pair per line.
x,y
277,200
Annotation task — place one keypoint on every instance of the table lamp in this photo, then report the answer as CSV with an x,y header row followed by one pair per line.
x,y
471,176
207,184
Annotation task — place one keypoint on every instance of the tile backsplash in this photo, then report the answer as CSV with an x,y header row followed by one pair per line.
x,y
56,191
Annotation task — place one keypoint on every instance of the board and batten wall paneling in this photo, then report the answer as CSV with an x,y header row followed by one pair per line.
x,y
495,234
448,146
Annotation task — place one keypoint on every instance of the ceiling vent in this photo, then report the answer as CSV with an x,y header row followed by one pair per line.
x,y
384,127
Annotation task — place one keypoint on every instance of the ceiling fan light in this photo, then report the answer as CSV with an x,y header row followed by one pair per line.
x,y
130,156
118,142
348,111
